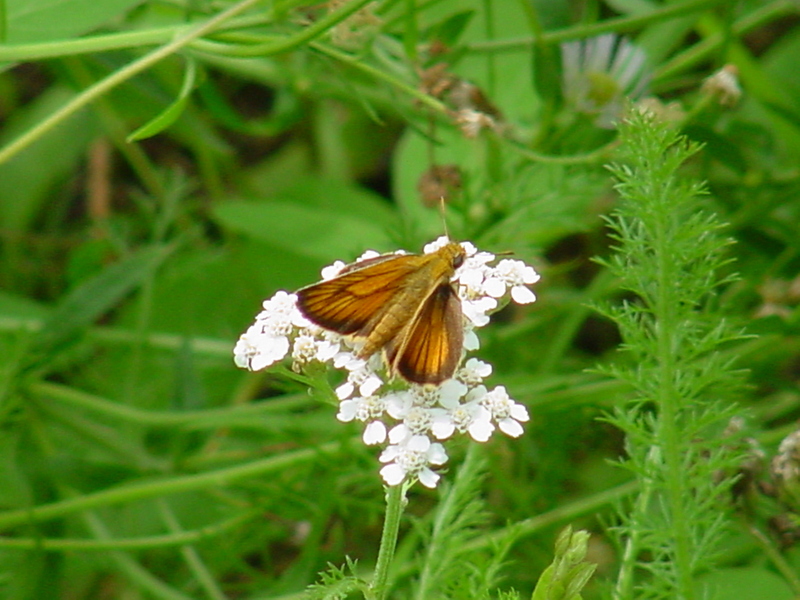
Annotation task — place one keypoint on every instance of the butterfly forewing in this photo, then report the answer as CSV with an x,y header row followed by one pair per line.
x,y
402,304
349,302
429,349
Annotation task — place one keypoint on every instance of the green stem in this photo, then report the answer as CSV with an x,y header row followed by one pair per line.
x,y
354,62
163,487
105,85
118,77
624,586
395,502
778,559
145,542
583,31
668,397
210,418
701,51
198,568
291,42
140,577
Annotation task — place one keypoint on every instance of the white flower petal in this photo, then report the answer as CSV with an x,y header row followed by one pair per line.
x,y
345,390
471,340
389,454
270,351
494,287
370,385
471,278
522,295
442,427
427,478
510,427
436,454
519,412
436,244
347,361
347,410
481,430
451,389
399,433
333,270
374,433
418,443
476,394
393,474
469,248
326,351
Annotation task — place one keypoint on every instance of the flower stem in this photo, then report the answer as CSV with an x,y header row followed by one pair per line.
x,y
395,501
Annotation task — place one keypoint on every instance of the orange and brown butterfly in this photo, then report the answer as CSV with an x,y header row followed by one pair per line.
x,y
404,305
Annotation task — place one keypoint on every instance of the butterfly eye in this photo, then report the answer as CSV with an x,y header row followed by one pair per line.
x,y
458,260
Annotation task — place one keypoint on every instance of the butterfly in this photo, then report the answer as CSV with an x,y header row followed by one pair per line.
x,y
404,305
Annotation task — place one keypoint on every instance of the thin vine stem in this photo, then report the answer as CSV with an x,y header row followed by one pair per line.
x,y
105,85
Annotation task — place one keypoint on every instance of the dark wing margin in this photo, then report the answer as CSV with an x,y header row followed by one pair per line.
x,y
430,349
347,303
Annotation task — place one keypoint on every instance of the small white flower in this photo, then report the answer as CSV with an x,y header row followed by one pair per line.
x,y
359,376
473,372
415,407
517,275
361,408
412,458
476,310
470,417
370,410
505,412
257,349
333,270
307,348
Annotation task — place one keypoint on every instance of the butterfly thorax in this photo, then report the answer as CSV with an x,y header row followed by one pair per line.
x,y
432,270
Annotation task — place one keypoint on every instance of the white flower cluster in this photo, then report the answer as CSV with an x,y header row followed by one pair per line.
x,y
412,417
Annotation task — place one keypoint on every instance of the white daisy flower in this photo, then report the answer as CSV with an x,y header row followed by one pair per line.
x,y
600,73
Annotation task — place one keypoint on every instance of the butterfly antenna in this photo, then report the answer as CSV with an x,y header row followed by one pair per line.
x,y
444,220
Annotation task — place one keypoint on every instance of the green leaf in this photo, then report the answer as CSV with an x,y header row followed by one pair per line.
x,y
89,301
316,233
321,219
174,110
450,29
45,20
28,179
738,583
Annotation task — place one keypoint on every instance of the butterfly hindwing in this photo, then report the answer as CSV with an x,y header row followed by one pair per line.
x,y
430,348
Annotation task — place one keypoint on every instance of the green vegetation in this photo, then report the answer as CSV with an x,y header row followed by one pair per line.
x,y
166,165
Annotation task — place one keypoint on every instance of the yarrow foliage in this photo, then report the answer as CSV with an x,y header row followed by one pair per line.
x,y
413,418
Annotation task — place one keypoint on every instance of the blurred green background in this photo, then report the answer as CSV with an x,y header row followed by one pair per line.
x,y
167,165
